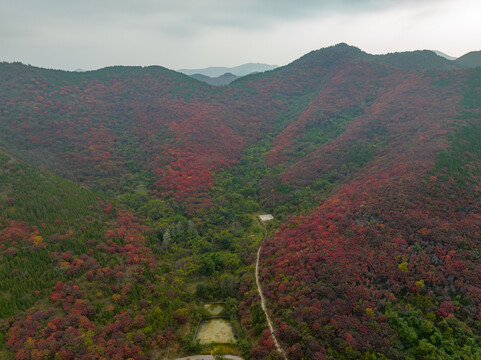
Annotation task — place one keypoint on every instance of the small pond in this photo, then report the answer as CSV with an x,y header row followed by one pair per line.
x,y
215,331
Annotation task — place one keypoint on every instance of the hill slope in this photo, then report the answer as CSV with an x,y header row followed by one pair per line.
x,y
379,252
125,125
74,268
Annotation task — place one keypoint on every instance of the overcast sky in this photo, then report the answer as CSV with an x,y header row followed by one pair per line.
x,y
90,34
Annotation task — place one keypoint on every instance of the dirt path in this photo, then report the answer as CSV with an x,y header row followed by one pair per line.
x,y
208,357
263,305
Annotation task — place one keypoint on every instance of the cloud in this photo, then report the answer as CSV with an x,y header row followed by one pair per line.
x,y
197,33
185,16
194,16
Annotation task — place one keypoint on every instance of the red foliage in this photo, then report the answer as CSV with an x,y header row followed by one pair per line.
x,y
445,309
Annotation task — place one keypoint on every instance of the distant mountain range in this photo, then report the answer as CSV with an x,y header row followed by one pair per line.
x,y
440,53
225,79
241,70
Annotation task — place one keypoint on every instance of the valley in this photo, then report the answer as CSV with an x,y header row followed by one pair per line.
x,y
130,201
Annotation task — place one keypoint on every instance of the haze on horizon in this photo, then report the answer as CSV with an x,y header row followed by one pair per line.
x,y
194,34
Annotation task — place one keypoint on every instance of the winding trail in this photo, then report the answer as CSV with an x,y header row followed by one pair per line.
x,y
209,357
263,305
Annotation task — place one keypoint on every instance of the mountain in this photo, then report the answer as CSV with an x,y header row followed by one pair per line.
x,y
129,199
444,55
470,60
225,79
241,70
418,60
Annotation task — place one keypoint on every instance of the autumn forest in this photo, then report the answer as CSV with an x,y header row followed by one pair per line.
x,y
130,198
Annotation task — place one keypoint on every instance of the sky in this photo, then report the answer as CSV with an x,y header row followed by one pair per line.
x,y
91,34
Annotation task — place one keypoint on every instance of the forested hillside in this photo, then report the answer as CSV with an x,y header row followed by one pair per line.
x,y
388,264
129,198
